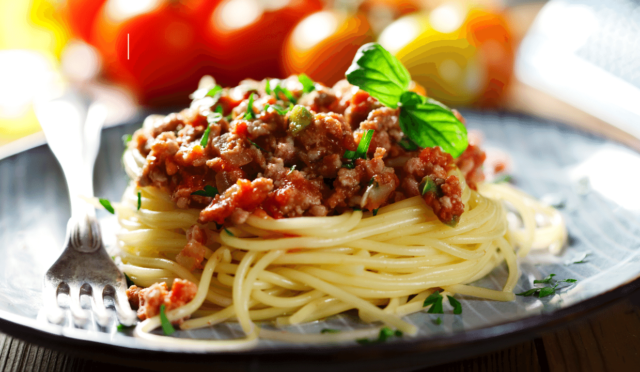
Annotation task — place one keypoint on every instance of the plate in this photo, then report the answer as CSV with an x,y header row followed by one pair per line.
x,y
591,179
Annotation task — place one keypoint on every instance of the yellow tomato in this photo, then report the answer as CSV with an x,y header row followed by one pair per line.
x,y
462,56
323,44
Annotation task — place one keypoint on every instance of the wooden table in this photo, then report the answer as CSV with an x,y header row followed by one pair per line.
x,y
607,340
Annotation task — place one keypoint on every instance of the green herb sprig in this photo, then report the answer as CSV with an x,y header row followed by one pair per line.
x,y
505,178
547,290
107,205
278,109
291,169
385,333
228,232
139,200
580,260
329,330
426,122
209,191
279,91
212,118
308,85
250,115
435,300
167,327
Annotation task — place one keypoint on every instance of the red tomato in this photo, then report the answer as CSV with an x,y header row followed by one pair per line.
x,y
80,15
245,37
323,45
154,47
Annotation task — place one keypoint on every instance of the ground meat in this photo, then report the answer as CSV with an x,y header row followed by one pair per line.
x,y
133,295
192,255
260,164
150,299
246,195
470,164
436,167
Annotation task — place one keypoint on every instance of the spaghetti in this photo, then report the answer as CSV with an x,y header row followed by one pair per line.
x,y
303,269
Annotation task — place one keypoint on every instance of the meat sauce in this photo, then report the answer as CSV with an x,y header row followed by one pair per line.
x,y
275,164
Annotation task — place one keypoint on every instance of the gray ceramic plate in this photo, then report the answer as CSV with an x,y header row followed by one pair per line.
x,y
592,178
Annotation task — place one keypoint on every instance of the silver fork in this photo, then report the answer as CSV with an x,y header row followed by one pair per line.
x,y
84,267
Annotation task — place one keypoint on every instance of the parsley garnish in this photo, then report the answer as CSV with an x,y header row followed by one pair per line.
x,y
435,300
437,321
457,306
228,232
167,328
212,118
279,90
363,147
129,281
255,144
428,185
139,200
267,87
107,205
219,110
308,85
122,327
329,330
545,291
217,90
426,122
209,191
581,260
291,169
375,212
385,333
278,109
126,139
250,115
503,179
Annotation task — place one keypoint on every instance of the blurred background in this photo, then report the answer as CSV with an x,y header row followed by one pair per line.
x,y
141,55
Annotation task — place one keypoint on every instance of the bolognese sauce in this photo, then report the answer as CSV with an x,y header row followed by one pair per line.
x,y
261,156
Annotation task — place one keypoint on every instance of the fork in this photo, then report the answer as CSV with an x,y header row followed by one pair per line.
x,y
84,267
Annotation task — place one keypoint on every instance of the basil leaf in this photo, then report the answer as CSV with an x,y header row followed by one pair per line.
x,y
250,115
407,144
209,191
363,147
139,200
308,85
379,73
428,123
167,328
457,306
107,205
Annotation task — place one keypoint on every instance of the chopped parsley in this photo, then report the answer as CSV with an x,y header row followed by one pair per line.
x,y
547,290
308,85
107,205
255,144
126,139
505,178
250,115
291,169
375,212
457,306
435,300
428,185
228,232
580,260
121,327
209,191
139,200
363,147
129,281
219,110
267,87
215,91
167,328
437,321
278,109
329,330
426,122
280,91
384,334
212,118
